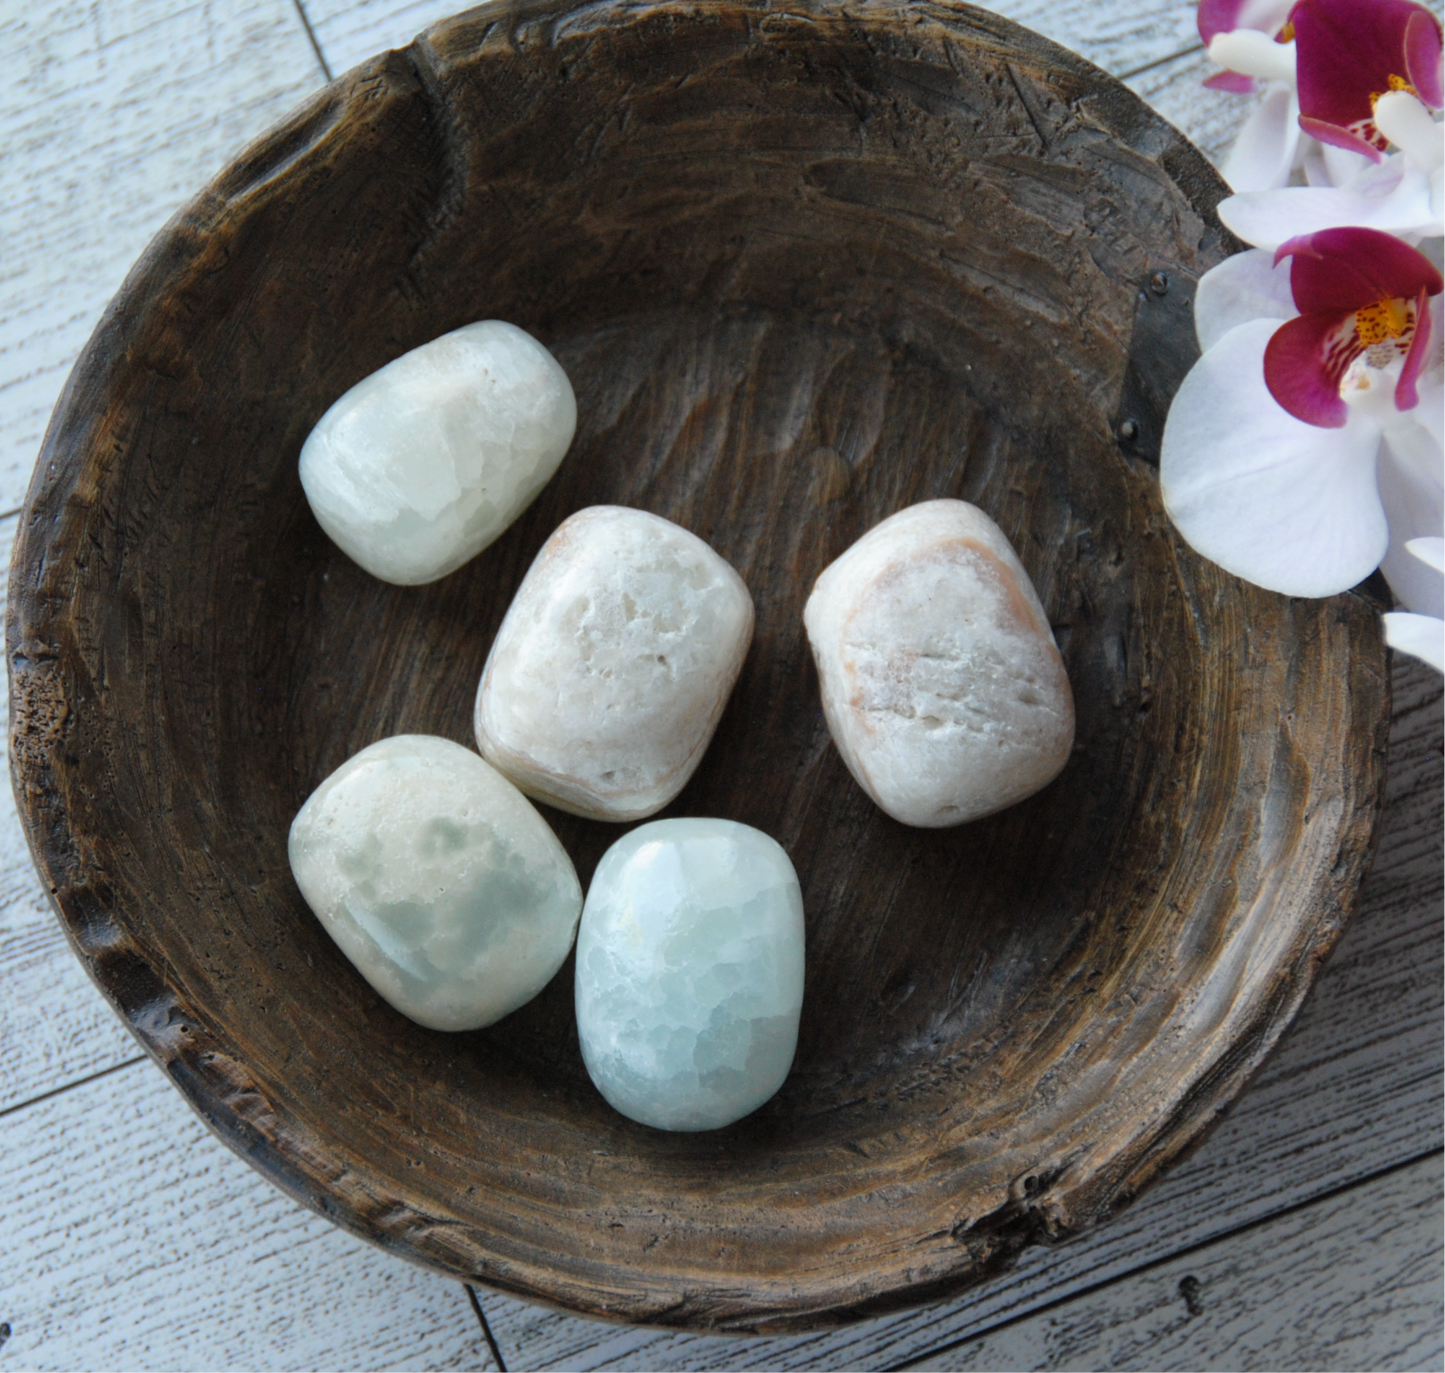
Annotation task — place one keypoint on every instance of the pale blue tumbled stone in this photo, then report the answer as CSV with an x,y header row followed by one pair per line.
x,y
690,972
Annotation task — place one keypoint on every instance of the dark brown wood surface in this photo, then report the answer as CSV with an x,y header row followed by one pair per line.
x,y
804,268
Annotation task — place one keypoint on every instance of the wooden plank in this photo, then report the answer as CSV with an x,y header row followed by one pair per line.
x,y
1353,1087
1212,119
1350,1281
133,1239
111,117
1119,38
350,31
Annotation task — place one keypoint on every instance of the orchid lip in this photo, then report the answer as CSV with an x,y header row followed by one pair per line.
x,y
1363,300
1350,54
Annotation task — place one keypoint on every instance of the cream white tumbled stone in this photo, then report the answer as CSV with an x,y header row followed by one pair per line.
x,y
942,685
609,674
690,972
438,879
422,464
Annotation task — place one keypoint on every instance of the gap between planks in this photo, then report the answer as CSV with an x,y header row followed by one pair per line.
x,y
1212,1243
311,36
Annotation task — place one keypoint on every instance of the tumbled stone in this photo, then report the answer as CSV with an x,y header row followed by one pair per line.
x,y
422,464
942,685
438,879
608,676
690,972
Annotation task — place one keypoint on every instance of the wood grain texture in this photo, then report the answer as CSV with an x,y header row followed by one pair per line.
x,y
117,1178
1349,1282
948,227
110,116
78,1034
1354,1087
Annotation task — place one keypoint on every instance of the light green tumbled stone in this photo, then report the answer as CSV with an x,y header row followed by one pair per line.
x,y
690,972
422,464
438,879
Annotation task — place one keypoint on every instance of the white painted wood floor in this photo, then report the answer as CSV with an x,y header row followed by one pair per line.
x,y
1304,1234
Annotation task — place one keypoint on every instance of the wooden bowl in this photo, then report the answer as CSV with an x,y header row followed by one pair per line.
x,y
805,266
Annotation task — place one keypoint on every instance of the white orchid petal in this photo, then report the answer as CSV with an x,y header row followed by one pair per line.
x,y
1437,194
1411,481
1284,504
1421,636
1263,155
1393,197
1345,164
1328,165
1244,287
1405,121
1252,53
1431,552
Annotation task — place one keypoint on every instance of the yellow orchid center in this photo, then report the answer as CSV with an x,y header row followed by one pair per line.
x,y
1396,83
1378,326
1385,319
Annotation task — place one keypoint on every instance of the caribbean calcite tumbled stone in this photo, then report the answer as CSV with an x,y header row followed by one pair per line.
x,y
942,685
690,972
438,879
609,674
422,464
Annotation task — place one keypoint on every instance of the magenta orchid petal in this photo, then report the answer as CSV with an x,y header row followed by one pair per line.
x,y
1236,83
1423,58
1218,16
1349,52
1224,16
1303,365
1283,504
1337,137
1360,291
1349,268
1407,391
1244,287
1421,636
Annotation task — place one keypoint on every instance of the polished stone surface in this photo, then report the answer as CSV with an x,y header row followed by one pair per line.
x,y
609,674
422,464
438,879
690,972
942,685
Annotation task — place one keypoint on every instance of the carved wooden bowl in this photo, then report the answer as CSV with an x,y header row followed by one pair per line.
x,y
805,266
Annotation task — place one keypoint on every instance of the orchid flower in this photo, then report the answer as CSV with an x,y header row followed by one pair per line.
x,y
1354,52
1248,38
1304,447
1368,77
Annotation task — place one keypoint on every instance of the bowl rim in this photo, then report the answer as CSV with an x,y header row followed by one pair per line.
x,y
197,1057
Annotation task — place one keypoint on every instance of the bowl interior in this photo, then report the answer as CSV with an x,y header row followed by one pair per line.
x,y
803,268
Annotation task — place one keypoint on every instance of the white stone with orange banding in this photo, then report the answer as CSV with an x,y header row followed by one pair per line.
x,y
941,682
